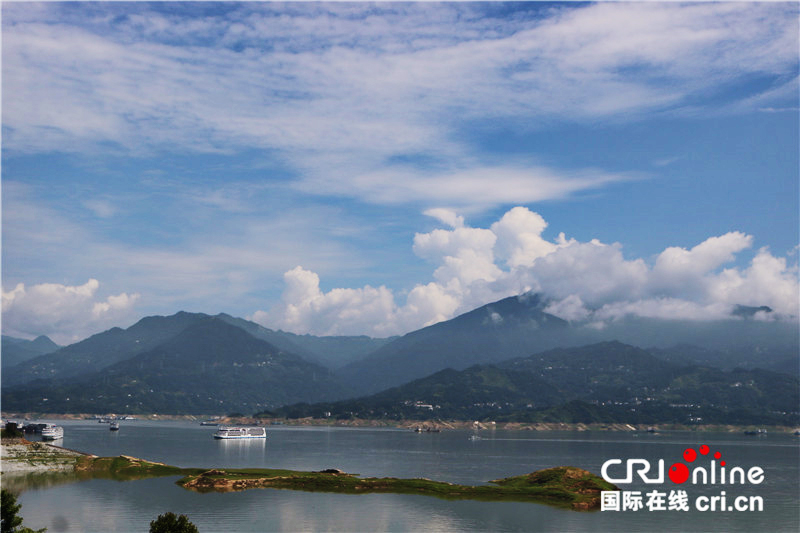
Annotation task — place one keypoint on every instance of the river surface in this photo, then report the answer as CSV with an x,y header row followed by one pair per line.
x,y
107,506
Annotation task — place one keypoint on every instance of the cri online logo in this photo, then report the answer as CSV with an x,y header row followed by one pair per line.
x,y
679,473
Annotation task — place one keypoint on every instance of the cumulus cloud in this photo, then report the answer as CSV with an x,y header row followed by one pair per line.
x,y
586,282
449,217
597,272
769,280
306,308
679,271
519,237
65,313
465,255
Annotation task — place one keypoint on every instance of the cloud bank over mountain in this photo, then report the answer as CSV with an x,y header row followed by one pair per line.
x,y
53,308
585,281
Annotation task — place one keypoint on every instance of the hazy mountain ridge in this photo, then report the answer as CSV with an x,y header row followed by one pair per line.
x,y
449,394
209,367
604,382
101,350
332,352
520,325
491,333
116,344
15,351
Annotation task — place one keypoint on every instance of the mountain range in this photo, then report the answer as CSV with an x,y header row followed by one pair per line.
x,y
210,366
520,326
198,363
16,351
605,382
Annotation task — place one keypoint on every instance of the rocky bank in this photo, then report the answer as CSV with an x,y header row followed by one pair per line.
x,y
23,456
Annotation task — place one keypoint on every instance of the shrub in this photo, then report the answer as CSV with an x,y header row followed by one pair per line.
x,y
170,523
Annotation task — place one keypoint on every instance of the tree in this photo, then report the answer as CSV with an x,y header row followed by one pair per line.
x,y
9,521
169,523
9,509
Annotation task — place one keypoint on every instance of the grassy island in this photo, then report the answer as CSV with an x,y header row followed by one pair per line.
x,y
564,486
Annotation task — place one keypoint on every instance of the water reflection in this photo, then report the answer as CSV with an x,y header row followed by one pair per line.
x,y
243,451
18,482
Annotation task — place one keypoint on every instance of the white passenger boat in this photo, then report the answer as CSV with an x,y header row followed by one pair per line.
x,y
52,432
236,432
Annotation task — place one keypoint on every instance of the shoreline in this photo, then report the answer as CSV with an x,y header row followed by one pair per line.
x,y
21,456
432,424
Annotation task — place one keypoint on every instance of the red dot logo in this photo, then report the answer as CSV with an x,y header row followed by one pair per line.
x,y
722,463
704,449
689,455
679,473
717,455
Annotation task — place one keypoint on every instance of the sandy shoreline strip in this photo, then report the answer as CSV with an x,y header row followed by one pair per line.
x,y
424,424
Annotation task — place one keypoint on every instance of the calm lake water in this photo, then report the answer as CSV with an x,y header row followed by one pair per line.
x,y
107,506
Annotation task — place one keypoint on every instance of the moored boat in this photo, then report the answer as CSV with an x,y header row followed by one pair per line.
x,y
114,426
240,432
52,432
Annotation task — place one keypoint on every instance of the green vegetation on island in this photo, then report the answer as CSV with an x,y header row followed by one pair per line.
x,y
563,486
125,468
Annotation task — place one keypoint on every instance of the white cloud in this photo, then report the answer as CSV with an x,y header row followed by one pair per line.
x,y
597,272
474,188
465,255
426,305
666,308
589,282
704,257
768,280
570,308
65,313
681,272
451,218
335,86
337,312
519,237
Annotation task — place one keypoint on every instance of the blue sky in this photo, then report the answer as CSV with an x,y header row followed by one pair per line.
x,y
349,168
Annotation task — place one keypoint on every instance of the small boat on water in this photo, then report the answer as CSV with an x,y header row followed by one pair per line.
x,y
236,432
52,432
114,426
